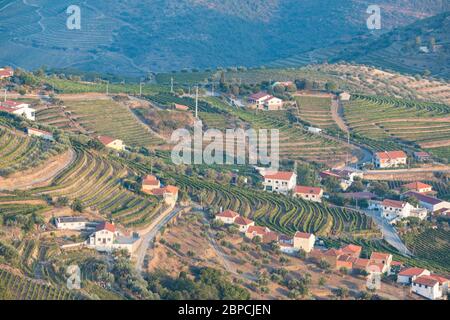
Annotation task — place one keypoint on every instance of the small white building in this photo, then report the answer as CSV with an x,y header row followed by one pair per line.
x,y
19,109
265,101
309,193
344,96
390,159
227,216
408,275
71,223
40,133
150,183
256,231
281,182
315,130
106,239
112,143
392,210
418,186
304,241
427,287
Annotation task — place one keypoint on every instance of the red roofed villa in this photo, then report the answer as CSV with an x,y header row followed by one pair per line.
x,y
309,193
389,159
281,182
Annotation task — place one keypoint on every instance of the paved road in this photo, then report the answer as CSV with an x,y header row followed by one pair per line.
x,y
150,234
439,168
389,233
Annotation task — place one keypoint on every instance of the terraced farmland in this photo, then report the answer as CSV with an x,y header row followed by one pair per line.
x,y
395,120
107,117
95,180
442,189
280,213
17,287
316,110
19,152
432,245
54,116
441,152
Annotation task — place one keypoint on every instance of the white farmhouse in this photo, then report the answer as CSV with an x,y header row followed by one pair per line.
x,y
304,241
227,216
389,159
309,193
19,109
429,287
408,275
112,143
71,223
393,210
106,239
344,96
265,101
243,223
281,182
432,204
314,130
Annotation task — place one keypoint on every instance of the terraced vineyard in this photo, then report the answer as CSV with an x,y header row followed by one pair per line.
x,y
280,213
389,119
441,152
316,110
95,180
295,142
106,117
19,152
17,287
432,245
54,116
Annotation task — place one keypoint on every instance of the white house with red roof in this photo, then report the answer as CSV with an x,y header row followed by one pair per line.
x,y
149,183
40,133
418,186
389,159
430,286
107,238
256,231
382,260
265,101
281,181
352,250
243,223
19,109
406,276
309,193
6,73
393,210
112,143
227,216
304,241
169,193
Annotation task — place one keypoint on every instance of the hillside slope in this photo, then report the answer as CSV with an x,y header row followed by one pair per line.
x,y
135,37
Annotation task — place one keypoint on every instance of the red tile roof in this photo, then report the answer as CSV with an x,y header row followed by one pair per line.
x,y
333,252
280,175
228,214
260,230
150,180
259,95
7,109
242,221
439,278
106,226
308,190
171,189
379,256
417,185
423,198
391,155
393,203
351,248
428,281
303,235
105,139
410,272
181,107
269,237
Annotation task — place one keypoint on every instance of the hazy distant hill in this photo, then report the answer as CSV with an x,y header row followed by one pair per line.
x,y
133,37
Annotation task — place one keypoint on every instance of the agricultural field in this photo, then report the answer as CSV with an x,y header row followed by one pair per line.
x,y
95,180
54,116
107,117
316,110
184,78
441,152
19,152
390,119
432,245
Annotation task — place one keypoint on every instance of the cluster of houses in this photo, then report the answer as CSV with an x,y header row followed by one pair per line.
x,y
151,185
300,240
19,109
105,237
395,210
264,101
